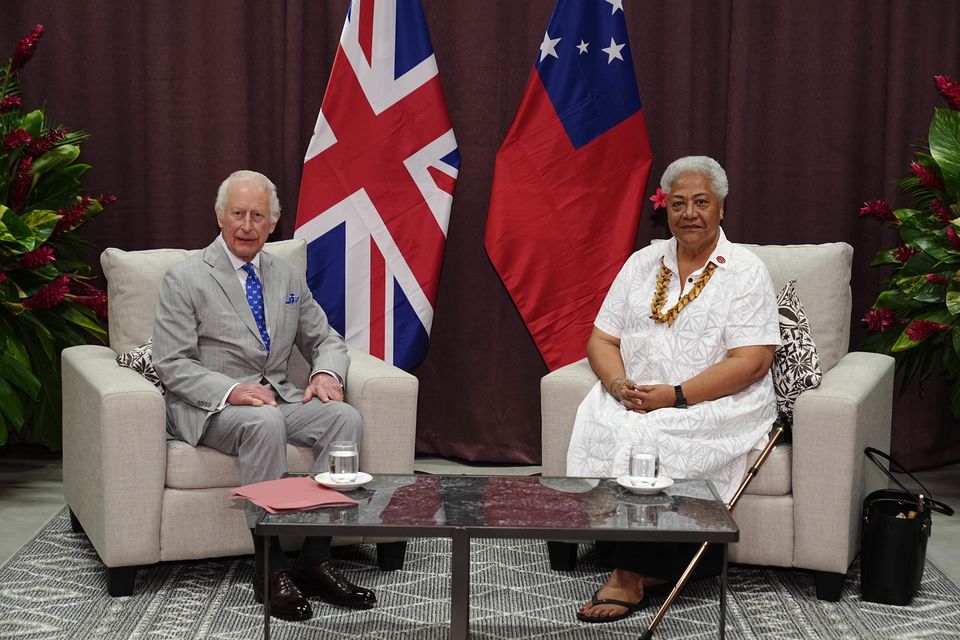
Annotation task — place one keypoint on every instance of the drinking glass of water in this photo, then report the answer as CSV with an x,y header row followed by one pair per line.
x,y
644,460
344,461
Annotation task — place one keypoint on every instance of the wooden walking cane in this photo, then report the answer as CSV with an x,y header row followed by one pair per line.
x,y
751,473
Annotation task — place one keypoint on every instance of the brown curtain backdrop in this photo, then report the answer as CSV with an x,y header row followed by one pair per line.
x,y
813,107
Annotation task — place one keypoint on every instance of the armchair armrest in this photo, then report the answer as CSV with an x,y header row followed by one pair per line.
x,y
114,454
850,410
561,392
386,397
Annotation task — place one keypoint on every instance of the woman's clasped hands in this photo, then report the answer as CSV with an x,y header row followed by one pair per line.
x,y
644,397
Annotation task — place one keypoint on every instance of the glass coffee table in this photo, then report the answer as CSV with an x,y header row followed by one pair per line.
x,y
547,508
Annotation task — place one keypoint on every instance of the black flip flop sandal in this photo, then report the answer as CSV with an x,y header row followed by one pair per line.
x,y
631,608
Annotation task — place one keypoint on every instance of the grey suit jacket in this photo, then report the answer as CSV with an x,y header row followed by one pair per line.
x,y
205,338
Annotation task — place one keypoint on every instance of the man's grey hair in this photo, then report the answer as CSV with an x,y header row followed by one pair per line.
x,y
702,165
245,175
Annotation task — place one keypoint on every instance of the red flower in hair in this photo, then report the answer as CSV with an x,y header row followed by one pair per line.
x,y
879,319
877,209
927,177
949,89
659,199
25,49
920,330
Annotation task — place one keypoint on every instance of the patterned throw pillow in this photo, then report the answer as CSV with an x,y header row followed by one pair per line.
x,y
796,365
141,361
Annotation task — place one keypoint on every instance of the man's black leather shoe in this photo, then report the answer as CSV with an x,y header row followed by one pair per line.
x,y
286,599
330,585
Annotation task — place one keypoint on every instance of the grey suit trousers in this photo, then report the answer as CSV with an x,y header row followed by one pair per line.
x,y
258,436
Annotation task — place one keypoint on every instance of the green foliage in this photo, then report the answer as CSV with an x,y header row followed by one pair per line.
x,y
916,318
46,300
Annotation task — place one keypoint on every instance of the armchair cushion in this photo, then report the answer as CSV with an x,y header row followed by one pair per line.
x,y
140,360
796,365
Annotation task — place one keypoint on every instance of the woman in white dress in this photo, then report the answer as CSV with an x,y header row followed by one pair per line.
x,y
682,346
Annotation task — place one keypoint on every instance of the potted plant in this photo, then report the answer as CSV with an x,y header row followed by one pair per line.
x,y
916,318
48,301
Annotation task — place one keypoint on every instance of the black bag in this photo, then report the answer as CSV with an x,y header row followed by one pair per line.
x,y
893,538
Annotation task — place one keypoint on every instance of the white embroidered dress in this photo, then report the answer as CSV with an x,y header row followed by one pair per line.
x,y
736,308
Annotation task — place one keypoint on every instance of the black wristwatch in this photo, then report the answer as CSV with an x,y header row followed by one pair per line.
x,y
681,402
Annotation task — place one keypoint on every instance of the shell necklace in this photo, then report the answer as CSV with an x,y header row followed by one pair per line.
x,y
660,293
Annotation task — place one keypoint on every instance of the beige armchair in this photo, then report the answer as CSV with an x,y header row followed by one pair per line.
x,y
803,509
142,498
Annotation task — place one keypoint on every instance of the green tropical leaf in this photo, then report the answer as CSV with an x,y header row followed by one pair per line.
x,y
903,343
945,146
918,288
33,122
10,405
14,231
19,375
59,189
82,317
924,263
42,222
897,300
884,256
55,158
953,295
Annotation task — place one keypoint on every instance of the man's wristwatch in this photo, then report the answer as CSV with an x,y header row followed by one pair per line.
x,y
681,402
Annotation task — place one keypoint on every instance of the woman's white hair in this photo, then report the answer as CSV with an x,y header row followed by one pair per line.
x,y
245,175
702,165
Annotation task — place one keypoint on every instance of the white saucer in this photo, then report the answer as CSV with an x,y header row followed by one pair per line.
x,y
361,479
644,487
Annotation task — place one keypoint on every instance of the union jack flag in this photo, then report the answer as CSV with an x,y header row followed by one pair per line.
x,y
378,182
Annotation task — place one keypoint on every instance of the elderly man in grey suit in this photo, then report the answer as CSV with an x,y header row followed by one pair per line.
x,y
227,322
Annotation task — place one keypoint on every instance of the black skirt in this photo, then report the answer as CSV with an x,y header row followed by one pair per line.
x,y
664,560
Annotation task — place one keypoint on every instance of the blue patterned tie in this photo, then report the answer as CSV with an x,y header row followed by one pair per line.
x,y
255,300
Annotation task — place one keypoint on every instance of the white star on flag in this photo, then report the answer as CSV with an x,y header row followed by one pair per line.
x,y
583,46
617,4
549,46
613,51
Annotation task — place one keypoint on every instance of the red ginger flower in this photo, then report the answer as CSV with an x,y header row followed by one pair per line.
x,y
927,177
3,277
21,185
949,89
38,257
16,138
50,295
903,253
45,142
659,199
25,49
879,319
877,209
953,237
942,211
90,296
919,330
936,278
9,104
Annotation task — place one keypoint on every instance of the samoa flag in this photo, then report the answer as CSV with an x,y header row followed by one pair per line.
x,y
378,182
569,178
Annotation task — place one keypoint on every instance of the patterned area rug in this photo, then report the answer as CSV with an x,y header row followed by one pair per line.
x,y
55,588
